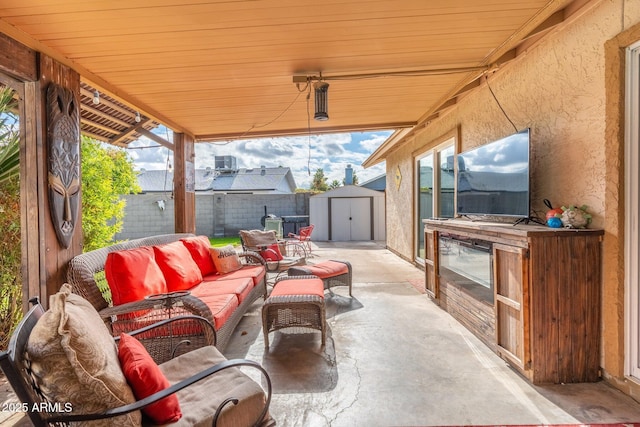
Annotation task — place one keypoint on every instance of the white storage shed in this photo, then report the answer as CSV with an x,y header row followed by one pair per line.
x,y
348,213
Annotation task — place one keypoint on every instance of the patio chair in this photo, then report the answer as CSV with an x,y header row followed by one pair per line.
x,y
62,374
304,237
287,253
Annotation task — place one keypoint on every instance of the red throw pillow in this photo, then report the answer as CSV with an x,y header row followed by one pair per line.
x,y
226,259
145,378
198,247
271,253
178,267
133,274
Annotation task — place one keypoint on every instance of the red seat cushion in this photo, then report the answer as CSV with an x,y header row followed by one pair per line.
x,y
178,267
327,269
299,287
254,272
240,287
133,274
198,247
145,378
221,306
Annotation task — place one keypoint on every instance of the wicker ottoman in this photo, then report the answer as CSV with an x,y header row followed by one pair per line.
x,y
332,273
295,302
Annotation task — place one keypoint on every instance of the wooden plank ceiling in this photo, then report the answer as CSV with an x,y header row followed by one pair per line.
x,y
223,69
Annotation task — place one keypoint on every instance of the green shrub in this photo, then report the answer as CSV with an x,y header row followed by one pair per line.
x,y
10,260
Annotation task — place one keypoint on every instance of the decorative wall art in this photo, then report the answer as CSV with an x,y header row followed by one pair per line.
x,y
63,139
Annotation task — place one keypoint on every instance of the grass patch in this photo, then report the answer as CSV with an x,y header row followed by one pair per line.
x,y
223,241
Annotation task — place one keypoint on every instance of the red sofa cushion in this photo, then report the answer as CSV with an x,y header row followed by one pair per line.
x,y
133,274
145,378
221,306
178,267
199,247
299,287
240,287
255,272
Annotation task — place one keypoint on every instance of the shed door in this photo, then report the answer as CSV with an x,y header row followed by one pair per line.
x,y
350,219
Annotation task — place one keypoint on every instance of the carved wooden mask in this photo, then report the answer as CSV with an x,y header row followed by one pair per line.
x,y
63,138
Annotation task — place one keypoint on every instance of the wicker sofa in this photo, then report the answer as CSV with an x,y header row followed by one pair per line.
x,y
222,299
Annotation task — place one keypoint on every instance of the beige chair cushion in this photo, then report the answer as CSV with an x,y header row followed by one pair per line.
x,y
200,401
254,238
75,360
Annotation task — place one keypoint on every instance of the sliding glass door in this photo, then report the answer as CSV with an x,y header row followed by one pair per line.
x,y
435,188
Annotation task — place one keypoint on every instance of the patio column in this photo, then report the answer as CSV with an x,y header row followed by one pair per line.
x,y
184,183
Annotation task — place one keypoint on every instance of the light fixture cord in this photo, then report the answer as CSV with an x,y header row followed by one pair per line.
x,y
277,117
502,109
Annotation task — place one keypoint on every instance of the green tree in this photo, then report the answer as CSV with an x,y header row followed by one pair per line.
x,y
319,182
9,136
107,173
334,184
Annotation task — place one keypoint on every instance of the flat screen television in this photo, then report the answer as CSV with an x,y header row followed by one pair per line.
x,y
493,179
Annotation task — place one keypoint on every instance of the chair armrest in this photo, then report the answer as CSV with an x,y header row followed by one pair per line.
x,y
125,409
252,257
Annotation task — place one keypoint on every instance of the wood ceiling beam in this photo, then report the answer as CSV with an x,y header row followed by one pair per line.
x,y
118,139
97,125
157,139
105,116
303,131
94,135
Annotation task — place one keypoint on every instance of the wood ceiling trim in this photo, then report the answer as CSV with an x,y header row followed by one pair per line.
x,y
304,131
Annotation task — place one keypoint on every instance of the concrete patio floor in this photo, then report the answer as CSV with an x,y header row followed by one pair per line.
x,y
393,357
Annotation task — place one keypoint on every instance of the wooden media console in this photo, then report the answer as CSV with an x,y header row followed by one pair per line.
x,y
529,292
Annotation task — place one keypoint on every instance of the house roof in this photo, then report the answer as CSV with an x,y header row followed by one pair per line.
x,y
278,179
378,183
221,70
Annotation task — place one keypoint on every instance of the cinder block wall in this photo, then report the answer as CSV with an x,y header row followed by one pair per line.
x,y
216,214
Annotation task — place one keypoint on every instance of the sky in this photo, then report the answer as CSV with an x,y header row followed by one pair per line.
x,y
303,154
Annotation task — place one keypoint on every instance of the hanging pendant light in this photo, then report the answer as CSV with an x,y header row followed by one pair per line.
x,y
322,101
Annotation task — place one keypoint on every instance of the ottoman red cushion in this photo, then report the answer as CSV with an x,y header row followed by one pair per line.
x,y
327,269
299,287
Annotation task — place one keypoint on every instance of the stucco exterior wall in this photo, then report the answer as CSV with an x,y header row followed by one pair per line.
x,y
558,88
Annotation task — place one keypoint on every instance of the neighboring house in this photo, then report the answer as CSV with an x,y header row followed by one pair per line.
x,y
378,183
228,180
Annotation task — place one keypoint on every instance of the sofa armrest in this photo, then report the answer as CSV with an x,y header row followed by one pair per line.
x,y
172,337
125,409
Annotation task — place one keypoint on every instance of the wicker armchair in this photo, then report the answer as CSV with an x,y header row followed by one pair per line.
x,y
211,380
